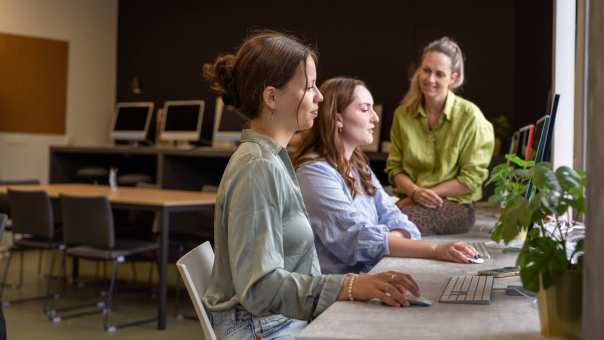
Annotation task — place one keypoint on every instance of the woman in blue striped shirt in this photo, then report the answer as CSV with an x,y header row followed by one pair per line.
x,y
355,222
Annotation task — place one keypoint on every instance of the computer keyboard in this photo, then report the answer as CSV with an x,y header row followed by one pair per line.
x,y
470,289
481,248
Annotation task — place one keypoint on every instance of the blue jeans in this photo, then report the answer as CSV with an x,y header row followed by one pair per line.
x,y
237,323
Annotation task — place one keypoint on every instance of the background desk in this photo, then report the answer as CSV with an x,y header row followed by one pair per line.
x,y
163,202
170,168
507,317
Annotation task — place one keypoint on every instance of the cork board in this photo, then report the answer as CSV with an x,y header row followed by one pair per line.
x,y
33,84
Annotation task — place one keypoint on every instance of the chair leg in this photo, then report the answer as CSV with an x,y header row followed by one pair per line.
x,y
22,258
5,275
89,308
151,269
133,267
49,308
40,252
108,299
107,325
49,294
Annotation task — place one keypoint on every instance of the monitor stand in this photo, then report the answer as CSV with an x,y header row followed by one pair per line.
x,y
182,144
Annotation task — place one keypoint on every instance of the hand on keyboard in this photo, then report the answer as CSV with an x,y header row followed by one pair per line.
x,y
456,252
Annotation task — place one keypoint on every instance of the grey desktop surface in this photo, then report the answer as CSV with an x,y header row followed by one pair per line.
x,y
507,317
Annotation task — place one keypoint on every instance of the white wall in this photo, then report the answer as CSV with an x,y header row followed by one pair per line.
x,y
90,28
564,81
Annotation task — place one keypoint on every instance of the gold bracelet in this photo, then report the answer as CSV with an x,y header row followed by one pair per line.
x,y
413,193
350,283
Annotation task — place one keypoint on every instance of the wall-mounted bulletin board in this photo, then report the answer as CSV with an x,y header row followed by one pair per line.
x,y
33,84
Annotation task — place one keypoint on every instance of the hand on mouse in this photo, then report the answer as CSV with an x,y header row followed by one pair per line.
x,y
455,252
387,286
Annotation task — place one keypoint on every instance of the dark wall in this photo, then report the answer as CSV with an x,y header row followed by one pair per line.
x,y
533,56
507,46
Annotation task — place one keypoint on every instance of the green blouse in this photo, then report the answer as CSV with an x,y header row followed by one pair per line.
x,y
459,147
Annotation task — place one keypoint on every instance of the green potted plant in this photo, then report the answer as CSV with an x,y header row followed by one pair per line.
x,y
550,260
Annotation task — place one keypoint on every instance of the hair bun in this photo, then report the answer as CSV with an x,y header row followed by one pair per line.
x,y
220,76
230,95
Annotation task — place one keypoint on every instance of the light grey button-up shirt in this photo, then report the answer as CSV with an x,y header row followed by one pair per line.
x,y
265,255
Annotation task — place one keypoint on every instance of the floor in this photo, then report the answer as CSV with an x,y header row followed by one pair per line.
x,y
27,321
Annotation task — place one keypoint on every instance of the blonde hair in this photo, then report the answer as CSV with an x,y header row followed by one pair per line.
x,y
414,97
322,141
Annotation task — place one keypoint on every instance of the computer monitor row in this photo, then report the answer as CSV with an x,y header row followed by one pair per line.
x,y
181,120
533,142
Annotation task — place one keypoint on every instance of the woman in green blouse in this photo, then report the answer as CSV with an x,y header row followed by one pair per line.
x,y
266,281
441,145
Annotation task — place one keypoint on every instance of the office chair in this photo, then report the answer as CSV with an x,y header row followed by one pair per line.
x,y
3,220
195,268
4,208
89,233
32,219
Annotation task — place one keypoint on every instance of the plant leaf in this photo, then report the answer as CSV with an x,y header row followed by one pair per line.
x,y
541,257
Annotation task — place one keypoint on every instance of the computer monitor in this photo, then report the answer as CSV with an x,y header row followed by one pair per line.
x,y
545,137
514,143
228,123
181,120
131,121
537,145
553,112
525,140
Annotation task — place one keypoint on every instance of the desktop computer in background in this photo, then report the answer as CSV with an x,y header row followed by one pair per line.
x,y
181,122
228,123
132,123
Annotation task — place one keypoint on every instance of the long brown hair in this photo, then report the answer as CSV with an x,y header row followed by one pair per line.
x,y
267,58
414,97
323,140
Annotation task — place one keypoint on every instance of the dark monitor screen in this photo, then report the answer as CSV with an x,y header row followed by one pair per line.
x,y
182,118
131,118
231,120
539,128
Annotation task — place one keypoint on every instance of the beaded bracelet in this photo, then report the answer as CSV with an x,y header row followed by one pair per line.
x,y
350,283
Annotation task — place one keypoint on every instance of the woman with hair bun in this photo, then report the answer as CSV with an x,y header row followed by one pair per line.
x,y
441,145
266,281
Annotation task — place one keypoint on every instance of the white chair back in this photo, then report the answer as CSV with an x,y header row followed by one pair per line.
x,y
195,268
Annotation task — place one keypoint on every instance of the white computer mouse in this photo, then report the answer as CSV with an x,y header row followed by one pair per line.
x,y
417,301
477,260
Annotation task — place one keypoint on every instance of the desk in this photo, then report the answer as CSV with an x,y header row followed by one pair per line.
x,y
507,317
170,168
163,202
